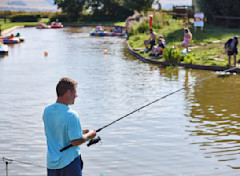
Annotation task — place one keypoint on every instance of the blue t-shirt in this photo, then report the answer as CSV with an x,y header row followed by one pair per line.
x,y
61,125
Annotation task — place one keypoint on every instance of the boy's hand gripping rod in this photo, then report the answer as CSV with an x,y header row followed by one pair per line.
x,y
91,142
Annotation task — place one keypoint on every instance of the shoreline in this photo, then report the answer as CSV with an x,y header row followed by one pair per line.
x,y
191,66
139,56
9,30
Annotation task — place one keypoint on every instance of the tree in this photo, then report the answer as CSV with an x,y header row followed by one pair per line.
x,y
219,7
109,9
138,5
73,8
104,9
158,3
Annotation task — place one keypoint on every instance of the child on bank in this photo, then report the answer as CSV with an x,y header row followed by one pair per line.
x,y
187,38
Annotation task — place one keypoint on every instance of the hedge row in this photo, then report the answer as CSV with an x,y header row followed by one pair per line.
x,y
24,18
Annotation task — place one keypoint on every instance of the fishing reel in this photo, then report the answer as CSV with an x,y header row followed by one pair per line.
x,y
94,141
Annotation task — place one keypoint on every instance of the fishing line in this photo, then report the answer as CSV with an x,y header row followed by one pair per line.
x,y
9,161
96,140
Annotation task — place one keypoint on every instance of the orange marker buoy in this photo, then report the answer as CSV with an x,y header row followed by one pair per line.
x,y
105,52
45,53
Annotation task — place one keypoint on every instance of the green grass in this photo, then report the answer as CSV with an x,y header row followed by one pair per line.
x,y
205,51
8,25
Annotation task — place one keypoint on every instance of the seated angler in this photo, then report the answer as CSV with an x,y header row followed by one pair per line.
x,y
150,41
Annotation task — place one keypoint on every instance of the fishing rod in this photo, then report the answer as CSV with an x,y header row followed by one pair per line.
x,y
96,140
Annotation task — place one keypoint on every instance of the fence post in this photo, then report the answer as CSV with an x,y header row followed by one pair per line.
x,y
7,161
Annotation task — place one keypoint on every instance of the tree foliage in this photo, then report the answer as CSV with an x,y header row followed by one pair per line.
x,y
220,7
73,8
139,5
119,9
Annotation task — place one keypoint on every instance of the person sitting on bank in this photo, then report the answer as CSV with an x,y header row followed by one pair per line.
x,y
231,48
157,50
150,41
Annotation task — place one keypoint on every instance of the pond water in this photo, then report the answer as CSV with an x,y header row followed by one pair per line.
x,y
193,132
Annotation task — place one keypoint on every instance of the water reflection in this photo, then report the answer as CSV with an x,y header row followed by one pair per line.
x,y
215,118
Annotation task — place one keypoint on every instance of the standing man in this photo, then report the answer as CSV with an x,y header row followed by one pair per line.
x,y
231,48
150,41
62,127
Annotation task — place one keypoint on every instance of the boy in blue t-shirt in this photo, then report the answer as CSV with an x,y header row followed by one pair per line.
x,y
62,127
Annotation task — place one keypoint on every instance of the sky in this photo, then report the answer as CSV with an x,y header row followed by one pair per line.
x,y
47,5
167,4
42,5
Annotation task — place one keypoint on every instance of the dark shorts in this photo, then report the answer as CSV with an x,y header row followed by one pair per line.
x,y
152,43
234,51
73,169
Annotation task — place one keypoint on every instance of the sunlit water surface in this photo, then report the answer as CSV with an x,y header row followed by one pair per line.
x,y
195,132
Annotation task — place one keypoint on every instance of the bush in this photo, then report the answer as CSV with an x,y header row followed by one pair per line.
x,y
189,59
172,55
24,18
143,27
160,20
46,14
139,28
60,17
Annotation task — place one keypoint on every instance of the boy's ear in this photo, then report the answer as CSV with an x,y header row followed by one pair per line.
x,y
68,92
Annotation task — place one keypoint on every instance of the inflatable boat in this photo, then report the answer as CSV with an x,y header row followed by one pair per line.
x,y
97,33
12,39
43,27
106,33
3,48
55,26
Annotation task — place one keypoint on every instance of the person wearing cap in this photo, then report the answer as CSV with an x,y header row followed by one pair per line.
x,y
231,48
150,41
157,50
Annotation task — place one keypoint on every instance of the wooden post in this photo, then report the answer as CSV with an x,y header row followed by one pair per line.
x,y
227,23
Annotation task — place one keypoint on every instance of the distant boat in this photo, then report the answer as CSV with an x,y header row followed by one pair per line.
x,y
97,33
107,33
3,48
42,26
54,26
12,39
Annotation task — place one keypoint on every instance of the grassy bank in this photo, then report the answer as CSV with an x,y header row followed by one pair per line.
x,y
207,46
8,25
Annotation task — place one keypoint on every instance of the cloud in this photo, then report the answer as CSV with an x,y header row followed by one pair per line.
x,y
17,3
